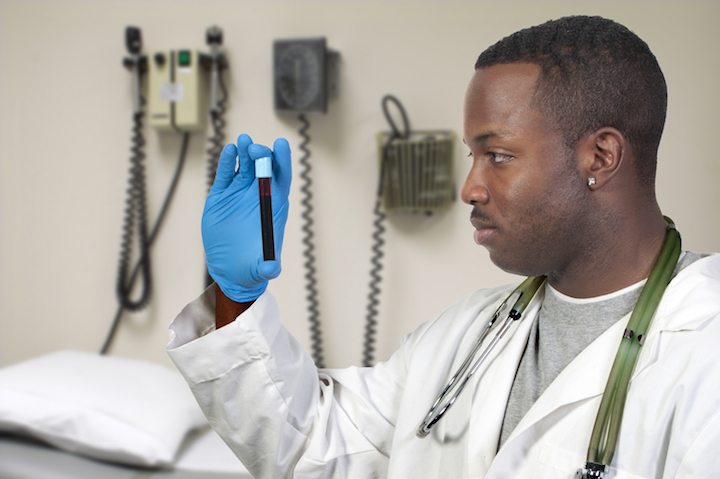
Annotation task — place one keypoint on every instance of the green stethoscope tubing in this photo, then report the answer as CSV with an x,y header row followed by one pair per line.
x,y
607,424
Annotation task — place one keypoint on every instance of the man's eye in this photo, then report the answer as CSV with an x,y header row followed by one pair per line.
x,y
499,157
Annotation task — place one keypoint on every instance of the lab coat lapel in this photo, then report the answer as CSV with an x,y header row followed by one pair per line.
x,y
566,388
585,377
451,434
491,394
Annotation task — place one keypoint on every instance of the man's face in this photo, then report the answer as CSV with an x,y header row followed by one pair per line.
x,y
529,200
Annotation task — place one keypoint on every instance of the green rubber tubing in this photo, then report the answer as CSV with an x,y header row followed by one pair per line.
x,y
609,418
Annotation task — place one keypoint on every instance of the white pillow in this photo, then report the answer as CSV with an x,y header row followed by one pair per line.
x,y
109,408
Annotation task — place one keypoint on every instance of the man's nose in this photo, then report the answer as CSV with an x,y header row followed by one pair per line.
x,y
474,189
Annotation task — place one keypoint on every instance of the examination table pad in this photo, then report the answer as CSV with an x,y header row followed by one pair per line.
x,y
204,456
74,414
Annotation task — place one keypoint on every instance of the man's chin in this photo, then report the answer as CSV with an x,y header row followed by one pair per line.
x,y
515,265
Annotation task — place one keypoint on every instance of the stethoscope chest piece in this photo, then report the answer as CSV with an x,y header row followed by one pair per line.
x,y
592,470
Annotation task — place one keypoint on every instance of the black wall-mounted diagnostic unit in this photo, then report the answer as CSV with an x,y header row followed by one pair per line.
x,y
305,75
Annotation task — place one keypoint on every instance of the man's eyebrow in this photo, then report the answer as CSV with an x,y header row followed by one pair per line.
x,y
485,135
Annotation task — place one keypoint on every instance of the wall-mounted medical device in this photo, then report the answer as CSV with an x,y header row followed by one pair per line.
x,y
177,98
415,176
136,62
417,171
416,167
305,75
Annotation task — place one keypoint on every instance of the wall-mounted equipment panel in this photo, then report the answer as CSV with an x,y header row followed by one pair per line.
x,y
177,91
306,75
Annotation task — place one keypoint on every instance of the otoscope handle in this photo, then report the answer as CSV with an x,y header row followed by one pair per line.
x,y
136,63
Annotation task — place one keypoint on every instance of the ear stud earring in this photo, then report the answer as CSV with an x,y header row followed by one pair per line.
x,y
591,181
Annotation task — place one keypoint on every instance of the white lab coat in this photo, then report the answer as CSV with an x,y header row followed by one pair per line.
x,y
283,418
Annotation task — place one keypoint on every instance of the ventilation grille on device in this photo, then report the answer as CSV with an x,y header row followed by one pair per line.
x,y
417,172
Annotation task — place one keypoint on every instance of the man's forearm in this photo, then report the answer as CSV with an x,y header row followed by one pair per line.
x,y
226,310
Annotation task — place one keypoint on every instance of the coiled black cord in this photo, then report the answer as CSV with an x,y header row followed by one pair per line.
x,y
135,215
216,142
375,280
315,332
146,241
378,241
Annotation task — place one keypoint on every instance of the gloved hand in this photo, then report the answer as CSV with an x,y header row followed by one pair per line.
x,y
231,230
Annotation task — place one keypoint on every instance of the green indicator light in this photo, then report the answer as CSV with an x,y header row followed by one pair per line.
x,y
184,58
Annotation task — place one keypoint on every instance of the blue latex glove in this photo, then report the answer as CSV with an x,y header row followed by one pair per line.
x,y
231,231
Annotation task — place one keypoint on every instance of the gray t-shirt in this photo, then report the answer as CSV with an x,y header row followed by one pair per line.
x,y
561,330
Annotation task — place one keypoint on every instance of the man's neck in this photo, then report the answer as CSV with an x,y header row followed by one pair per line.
x,y
614,263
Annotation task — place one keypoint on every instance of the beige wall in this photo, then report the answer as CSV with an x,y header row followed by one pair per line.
x,y
65,109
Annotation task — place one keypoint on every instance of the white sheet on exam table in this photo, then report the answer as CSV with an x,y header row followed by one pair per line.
x,y
205,457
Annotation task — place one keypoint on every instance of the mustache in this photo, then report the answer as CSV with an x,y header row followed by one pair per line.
x,y
476,215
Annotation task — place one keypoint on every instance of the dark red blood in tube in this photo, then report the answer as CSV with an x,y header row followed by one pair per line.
x,y
266,219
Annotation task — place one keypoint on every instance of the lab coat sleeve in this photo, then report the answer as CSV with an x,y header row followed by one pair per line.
x,y
281,416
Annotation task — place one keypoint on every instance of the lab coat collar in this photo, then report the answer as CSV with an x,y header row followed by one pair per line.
x,y
691,297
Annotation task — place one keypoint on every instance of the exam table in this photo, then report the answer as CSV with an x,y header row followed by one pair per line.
x,y
76,415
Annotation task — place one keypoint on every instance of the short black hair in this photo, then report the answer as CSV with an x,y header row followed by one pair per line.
x,y
595,73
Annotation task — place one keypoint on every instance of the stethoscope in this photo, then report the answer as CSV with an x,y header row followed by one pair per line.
x,y
607,424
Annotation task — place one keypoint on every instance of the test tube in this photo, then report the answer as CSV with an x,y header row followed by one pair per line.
x,y
263,172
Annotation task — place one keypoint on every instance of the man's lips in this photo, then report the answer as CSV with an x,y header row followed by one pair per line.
x,y
483,230
482,235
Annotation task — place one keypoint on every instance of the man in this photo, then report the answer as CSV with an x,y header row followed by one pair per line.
x,y
563,122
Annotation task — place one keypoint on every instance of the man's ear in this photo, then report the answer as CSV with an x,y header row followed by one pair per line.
x,y
600,155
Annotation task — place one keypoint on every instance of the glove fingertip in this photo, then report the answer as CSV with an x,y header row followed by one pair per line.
x,y
226,167
244,141
269,269
283,164
281,143
258,151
